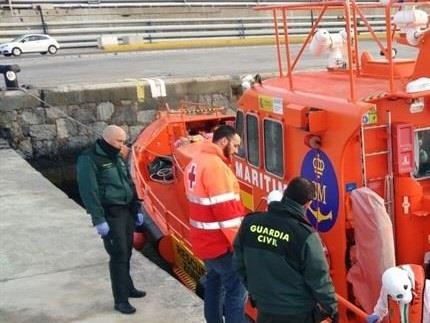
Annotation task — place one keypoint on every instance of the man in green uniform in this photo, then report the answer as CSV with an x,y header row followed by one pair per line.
x,y
107,191
281,260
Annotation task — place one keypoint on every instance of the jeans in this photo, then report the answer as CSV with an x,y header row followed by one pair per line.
x,y
224,291
118,244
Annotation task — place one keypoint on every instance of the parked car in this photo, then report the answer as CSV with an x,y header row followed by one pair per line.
x,y
34,43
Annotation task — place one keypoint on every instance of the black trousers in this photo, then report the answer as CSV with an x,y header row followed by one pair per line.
x,y
118,244
276,318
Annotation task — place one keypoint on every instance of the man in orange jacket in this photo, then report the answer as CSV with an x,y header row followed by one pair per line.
x,y
215,216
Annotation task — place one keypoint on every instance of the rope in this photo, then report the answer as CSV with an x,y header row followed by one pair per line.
x,y
162,176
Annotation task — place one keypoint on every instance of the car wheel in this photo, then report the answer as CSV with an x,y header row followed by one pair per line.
x,y
43,53
52,50
7,55
16,51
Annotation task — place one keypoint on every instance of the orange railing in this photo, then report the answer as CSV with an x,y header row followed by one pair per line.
x,y
352,11
181,228
351,307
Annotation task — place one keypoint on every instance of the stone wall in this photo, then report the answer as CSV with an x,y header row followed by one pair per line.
x,y
42,123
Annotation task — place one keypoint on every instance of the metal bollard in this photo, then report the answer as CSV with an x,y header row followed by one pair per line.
x,y
10,77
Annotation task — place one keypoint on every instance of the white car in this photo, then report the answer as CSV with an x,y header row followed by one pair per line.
x,y
34,43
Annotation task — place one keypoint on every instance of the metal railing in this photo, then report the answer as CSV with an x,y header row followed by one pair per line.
x,y
75,34
22,4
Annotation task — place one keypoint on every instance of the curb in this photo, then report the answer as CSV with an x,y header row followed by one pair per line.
x,y
201,43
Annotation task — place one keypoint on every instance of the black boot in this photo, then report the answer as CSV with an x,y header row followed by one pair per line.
x,y
135,293
125,308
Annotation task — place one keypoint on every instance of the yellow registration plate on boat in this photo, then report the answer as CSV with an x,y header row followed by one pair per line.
x,y
185,259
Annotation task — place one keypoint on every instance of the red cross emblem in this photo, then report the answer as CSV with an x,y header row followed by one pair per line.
x,y
192,176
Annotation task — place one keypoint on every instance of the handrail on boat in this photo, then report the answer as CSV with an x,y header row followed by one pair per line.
x,y
356,310
161,207
183,226
187,107
352,12
134,169
168,214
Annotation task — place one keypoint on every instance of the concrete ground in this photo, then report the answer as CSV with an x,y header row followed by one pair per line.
x,y
53,267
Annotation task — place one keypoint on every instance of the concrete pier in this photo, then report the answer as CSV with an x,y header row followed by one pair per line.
x,y
53,267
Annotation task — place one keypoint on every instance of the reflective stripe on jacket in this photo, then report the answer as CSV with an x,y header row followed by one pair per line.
x,y
233,223
213,194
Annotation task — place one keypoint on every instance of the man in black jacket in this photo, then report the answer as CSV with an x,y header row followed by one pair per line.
x,y
281,260
108,194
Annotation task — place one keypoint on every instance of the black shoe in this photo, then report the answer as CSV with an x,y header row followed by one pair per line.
x,y
125,308
135,293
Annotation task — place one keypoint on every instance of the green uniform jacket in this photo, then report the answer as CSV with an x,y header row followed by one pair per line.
x,y
281,261
103,181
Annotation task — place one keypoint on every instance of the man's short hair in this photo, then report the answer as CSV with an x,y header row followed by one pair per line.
x,y
300,189
223,131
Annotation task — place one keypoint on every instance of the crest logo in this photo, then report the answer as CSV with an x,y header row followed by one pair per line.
x,y
323,210
319,165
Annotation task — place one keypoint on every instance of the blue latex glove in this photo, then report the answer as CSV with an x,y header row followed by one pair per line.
x,y
139,219
102,229
372,318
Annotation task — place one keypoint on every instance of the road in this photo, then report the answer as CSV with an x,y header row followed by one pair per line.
x,y
92,66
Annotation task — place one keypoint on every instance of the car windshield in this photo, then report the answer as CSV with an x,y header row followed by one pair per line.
x,y
422,153
17,39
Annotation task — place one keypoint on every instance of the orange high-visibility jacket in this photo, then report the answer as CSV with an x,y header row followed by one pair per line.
x,y
214,202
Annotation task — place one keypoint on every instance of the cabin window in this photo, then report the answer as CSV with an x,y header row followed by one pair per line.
x,y
273,147
422,153
240,131
252,140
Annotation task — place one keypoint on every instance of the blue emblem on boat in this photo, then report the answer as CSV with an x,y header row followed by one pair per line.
x,y
323,210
